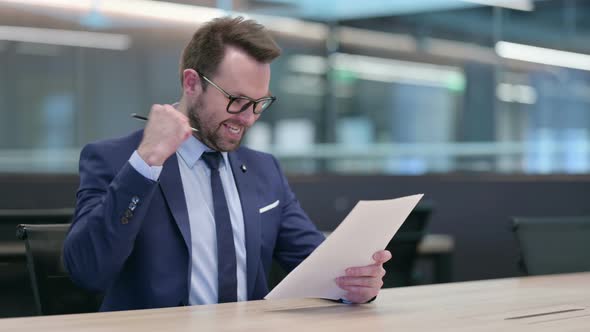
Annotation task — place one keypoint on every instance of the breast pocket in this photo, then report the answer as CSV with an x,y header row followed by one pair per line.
x,y
270,219
269,207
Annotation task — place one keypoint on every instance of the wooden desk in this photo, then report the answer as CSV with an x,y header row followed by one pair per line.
x,y
467,306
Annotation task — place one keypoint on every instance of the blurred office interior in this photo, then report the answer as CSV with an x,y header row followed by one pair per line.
x,y
483,106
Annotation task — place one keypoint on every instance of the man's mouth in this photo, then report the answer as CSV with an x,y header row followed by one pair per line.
x,y
233,129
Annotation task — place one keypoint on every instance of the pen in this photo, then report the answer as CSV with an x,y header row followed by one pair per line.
x,y
143,118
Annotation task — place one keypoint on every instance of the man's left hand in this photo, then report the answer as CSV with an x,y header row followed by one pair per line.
x,y
364,282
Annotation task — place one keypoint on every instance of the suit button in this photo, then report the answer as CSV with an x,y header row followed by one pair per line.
x,y
124,220
135,200
128,214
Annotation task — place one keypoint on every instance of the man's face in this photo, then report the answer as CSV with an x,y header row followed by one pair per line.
x,y
239,75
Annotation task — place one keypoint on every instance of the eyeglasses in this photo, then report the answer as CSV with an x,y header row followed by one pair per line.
x,y
238,104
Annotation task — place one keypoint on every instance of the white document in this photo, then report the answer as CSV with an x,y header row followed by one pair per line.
x,y
367,229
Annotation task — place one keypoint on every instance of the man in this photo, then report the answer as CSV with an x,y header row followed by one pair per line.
x,y
173,216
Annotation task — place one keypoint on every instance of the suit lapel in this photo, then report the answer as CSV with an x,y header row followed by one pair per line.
x,y
171,184
246,185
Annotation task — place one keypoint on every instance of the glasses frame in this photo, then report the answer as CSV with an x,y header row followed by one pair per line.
x,y
232,99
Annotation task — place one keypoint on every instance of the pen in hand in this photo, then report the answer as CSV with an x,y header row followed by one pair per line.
x,y
143,118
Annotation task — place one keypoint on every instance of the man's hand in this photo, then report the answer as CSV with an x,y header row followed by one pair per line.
x,y
363,283
165,131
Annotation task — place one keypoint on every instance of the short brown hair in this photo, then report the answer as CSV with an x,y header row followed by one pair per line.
x,y
207,47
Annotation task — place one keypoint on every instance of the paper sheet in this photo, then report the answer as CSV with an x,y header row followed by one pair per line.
x,y
367,229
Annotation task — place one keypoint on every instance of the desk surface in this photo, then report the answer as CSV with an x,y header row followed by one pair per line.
x,y
516,304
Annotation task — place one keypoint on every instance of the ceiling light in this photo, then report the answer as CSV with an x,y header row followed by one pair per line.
x,y
109,41
542,55
525,5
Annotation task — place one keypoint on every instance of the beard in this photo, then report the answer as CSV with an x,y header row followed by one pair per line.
x,y
209,133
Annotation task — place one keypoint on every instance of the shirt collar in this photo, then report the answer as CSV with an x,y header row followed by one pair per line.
x,y
191,150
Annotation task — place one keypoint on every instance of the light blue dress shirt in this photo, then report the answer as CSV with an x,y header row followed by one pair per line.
x,y
196,182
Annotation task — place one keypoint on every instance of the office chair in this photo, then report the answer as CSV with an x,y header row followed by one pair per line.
x,y
53,291
16,297
404,248
12,250
553,244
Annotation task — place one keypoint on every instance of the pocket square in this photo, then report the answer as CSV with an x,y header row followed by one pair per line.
x,y
270,206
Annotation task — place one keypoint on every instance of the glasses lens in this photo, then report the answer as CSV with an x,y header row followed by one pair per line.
x,y
263,105
237,105
246,106
240,104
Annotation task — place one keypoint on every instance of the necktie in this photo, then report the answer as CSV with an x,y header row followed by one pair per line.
x,y
227,289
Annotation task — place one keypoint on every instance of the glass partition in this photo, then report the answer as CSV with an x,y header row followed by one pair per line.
x,y
462,88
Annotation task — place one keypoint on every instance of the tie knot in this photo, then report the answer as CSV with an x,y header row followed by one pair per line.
x,y
212,159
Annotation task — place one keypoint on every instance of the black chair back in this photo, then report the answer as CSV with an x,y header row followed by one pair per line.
x,y
553,244
12,250
404,248
53,290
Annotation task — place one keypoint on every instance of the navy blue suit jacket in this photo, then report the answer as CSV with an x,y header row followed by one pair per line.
x,y
138,254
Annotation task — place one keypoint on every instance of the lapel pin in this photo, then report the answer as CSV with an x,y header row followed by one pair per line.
x,y
243,168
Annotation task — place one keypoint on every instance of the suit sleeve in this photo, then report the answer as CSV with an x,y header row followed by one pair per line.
x,y
110,205
298,236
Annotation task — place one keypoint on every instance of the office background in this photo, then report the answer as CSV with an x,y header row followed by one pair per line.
x,y
485,109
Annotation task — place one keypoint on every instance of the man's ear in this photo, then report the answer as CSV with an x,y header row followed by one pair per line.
x,y
191,82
